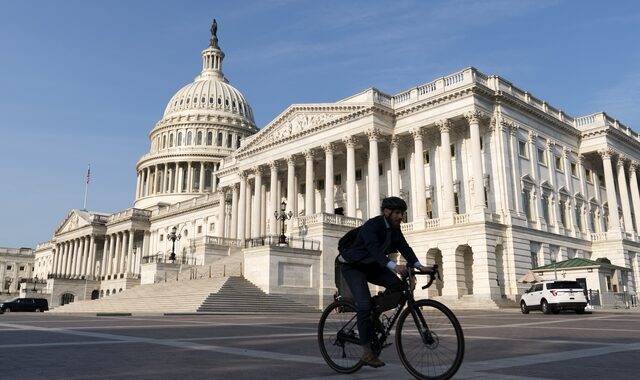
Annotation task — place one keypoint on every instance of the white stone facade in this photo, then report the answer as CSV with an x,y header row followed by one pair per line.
x,y
16,266
497,182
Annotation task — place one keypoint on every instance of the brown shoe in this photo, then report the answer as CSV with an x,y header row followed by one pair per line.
x,y
370,359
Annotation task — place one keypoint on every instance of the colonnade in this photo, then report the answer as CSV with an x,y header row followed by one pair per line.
x,y
118,259
75,257
176,177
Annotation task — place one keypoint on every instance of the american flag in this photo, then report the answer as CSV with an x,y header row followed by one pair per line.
x,y
88,174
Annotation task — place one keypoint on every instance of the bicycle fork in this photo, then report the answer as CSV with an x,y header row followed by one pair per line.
x,y
429,338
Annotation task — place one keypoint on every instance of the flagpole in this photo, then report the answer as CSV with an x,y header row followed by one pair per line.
x,y
86,187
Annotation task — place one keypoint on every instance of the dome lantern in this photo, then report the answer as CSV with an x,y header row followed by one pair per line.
x,y
212,57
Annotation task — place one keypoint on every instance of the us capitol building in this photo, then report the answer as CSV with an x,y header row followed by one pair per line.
x,y
497,182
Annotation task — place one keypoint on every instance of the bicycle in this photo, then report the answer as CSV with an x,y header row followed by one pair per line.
x,y
430,344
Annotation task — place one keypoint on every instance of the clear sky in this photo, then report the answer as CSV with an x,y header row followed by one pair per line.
x,y
83,82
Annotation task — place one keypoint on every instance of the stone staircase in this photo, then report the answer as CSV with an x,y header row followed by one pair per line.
x,y
238,295
469,302
163,297
224,266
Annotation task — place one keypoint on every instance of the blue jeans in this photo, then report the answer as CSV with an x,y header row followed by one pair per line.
x,y
357,277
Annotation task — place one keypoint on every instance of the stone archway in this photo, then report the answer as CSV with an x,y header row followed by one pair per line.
x,y
464,278
66,298
500,270
95,294
434,256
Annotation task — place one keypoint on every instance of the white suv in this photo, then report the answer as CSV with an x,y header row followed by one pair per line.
x,y
553,296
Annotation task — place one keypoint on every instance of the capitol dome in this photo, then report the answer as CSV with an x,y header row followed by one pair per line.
x,y
203,123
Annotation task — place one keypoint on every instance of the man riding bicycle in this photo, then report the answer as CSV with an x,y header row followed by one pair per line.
x,y
366,261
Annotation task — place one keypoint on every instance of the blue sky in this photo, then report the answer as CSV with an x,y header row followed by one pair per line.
x,y
85,81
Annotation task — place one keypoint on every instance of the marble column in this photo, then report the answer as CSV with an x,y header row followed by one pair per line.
x,y
91,262
291,184
201,179
221,212
395,169
329,201
612,199
256,211
635,195
309,196
273,194
350,143
624,195
373,135
515,166
233,233
473,118
179,177
123,253
447,175
242,204
105,256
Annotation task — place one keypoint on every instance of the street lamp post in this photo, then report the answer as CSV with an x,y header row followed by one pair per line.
x,y
173,237
35,281
282,216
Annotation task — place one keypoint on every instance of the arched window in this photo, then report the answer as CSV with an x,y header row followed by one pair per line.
x,y
229,140
238,142
188,138
199,138
164,142
95,295
170,140
209,138
179,141
66,298
207,179
219,142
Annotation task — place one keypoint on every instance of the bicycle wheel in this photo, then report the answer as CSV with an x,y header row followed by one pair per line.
x,y
434,354
338,337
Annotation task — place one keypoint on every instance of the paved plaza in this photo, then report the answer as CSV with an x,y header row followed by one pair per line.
x,y
499,345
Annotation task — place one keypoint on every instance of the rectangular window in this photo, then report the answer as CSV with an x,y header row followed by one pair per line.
x,y
8,267
429,208
601,180
358,174
199,229
563,214
320,184
427,159
337,179
574,169
229,140
522,149
542,157
559,165
161,237
210,226
453,151
401,164
456,203
578,218
380,169
588,175
534,259
545,209
219,141
22,269
525,204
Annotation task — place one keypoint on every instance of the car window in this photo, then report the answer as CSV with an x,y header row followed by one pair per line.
x,y
564,285
538,287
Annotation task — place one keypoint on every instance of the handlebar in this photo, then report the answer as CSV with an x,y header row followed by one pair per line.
x,y
433,274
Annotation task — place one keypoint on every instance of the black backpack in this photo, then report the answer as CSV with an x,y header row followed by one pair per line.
x,y
347,240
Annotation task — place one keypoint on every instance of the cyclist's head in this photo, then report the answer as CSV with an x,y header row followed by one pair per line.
x,y
394,203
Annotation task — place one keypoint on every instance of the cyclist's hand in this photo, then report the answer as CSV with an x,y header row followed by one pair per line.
x,y
402,270
424,269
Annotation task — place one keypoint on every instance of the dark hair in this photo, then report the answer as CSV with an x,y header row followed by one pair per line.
x,y
394,203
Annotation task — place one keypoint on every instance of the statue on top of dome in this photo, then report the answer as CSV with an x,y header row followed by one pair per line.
x,y
213,42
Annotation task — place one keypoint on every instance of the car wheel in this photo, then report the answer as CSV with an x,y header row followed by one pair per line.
x,y
7,310
580,310
523,308
37,310
544,305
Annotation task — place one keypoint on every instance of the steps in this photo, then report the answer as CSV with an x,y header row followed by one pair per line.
x,y
238,295
163,297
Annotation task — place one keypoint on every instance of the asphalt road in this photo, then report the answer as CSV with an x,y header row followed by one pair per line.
x,y
499,345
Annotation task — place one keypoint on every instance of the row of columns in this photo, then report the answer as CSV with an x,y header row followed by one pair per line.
x,y
168,178
629,195
118,258
249,215
75,258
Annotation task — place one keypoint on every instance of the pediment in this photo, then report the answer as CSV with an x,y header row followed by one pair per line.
x,y
295,122
75,220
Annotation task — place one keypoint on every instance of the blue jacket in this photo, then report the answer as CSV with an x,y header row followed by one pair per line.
x,y
368,246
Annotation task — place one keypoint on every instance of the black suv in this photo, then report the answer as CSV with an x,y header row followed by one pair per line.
x,y
24,304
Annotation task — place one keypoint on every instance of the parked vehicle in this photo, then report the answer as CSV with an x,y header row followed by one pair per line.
x,y
553,296
24,304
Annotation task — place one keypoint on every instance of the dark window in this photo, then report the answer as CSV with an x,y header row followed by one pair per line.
x,y
179,141
427,159
456,203
380,169
542,158
429,208
574,169
558,160
401,164
199,229
189,138
8,267
219,142
522,149
21,268
564,285
238,142
358,174
337,179
453,151
601,180
589,177
209,138
320,184
199,138
229,140
211,100
170,140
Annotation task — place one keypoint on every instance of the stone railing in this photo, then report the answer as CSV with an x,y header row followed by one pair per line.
x,y
322,217
131,213
406,227
197,201
431,223
227,242
461,219
599,236
291,242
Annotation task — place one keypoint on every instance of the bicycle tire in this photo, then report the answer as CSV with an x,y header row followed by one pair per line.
x,y
338,319
442,358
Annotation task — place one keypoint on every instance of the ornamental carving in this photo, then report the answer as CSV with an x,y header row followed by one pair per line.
x,y
621,161
606,153
395,140
417,133
309,154
633,165
373,134
350,141
273,165
329,147
444,125
291,160
297,124
532,136
475,116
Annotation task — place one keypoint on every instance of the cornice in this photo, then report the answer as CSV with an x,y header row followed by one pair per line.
x,y
413,108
